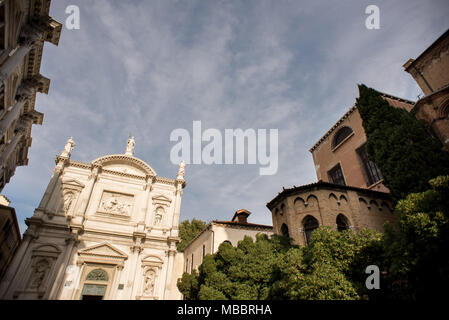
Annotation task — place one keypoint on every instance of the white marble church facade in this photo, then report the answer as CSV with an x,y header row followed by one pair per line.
x,y
103,230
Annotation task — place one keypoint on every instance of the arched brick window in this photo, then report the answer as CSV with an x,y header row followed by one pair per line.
x,y
310,224
342,223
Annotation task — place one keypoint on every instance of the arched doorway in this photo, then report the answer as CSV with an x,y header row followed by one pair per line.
x,y
309,224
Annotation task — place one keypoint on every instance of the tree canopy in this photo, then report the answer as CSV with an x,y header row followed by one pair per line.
x,y
400,145
416,248
271,268
189,230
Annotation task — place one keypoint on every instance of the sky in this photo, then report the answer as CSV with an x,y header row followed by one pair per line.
x,y
147,68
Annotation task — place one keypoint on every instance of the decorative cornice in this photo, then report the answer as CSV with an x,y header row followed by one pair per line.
x,y
431,53
349,112
321,185
125,158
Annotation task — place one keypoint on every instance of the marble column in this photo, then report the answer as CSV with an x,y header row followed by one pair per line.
x,y
59,280
32,38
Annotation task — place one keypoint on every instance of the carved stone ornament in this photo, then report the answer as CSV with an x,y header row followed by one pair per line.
x,y
40,270
70,144
69,198
159,214
150,279
97,275
130,147
116,203
182,170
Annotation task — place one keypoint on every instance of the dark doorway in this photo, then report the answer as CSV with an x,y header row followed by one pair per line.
x,y
89,297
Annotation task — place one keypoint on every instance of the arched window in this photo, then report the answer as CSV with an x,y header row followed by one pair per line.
x,y
342,223
341,135
97,275
95,285
284,230
310,224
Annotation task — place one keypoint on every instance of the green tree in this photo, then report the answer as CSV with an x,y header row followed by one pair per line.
x,y
189,230
336,263
399,144
242,272
271,268
416,248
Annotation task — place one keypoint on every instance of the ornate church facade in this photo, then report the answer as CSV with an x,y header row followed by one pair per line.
x,y
107,229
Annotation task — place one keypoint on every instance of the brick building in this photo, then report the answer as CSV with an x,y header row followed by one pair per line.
x,y
297,211
349,192
340,156
431,71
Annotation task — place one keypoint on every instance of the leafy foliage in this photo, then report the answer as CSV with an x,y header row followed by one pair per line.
x,y
189,230
416,249
271,268
399,144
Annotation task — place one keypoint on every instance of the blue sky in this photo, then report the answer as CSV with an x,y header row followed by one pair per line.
x,y
149,67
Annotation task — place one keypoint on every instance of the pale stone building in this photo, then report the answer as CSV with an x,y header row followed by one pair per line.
x,y
217,232
24,27
107,229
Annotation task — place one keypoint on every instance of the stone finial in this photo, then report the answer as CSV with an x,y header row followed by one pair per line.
x,y
130,147
182,170
70,144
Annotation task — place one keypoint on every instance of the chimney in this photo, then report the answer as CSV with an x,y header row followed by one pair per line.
x,y
241,216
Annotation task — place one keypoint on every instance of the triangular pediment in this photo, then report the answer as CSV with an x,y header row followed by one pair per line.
x,y
161,198
103,250
72,182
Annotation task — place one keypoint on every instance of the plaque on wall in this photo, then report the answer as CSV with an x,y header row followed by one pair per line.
x,y
116,203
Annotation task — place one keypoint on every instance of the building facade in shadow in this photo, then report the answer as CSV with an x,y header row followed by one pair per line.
x,y
24,27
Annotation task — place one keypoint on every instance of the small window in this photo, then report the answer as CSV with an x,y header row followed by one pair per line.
x,y
336,175
341,135
204,250
310,224
372,172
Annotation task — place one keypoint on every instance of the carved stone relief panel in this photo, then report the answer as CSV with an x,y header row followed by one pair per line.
x,y
116,203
